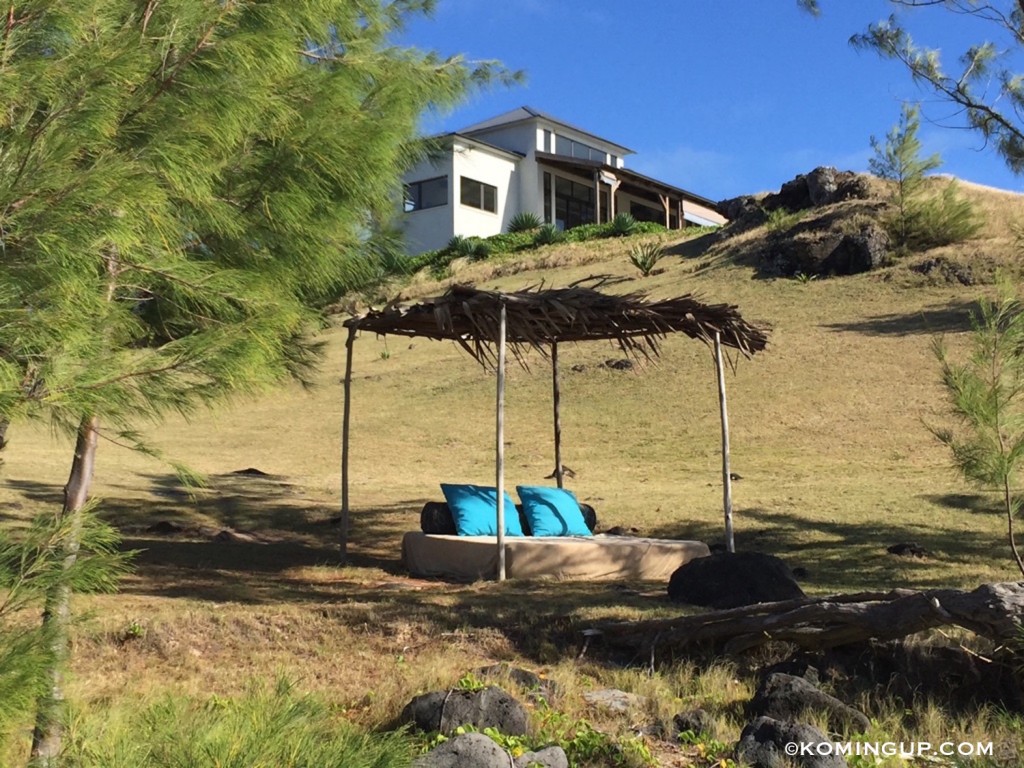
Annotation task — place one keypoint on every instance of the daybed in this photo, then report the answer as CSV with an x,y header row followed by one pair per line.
x,y
468,558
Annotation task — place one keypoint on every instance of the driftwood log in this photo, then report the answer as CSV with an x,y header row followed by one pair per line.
x,y
994,611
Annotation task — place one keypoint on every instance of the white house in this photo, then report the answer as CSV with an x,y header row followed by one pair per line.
x,y
526,160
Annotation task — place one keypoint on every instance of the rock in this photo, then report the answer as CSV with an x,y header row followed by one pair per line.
x,y
445,711
695,720
792,196
230,536
743,213
549,757
785,697
795,667
578,368
620,530
948,271
907,549
467,750
856,253
613,700
732,579
822,184
619,365
539,687
824,252
763,743
251,472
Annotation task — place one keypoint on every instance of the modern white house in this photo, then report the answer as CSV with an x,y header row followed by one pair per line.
x,y
526,160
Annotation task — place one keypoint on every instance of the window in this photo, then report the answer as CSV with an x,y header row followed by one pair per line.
x,y
476,194
574,203
571,148
429,193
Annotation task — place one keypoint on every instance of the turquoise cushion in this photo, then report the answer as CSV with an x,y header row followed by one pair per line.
x,y
552,511
475,510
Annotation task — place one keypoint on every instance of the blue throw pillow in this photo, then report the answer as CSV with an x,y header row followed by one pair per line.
x,y
552,511
475,510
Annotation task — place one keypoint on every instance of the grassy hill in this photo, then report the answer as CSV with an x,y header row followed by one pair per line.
x,y
829,433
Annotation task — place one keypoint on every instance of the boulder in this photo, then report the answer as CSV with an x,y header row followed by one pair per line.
x,y
613,700
467,750
694,720
763,743
445,711
732,579
786,697
549,757
792,196
822,184
538,687
824,252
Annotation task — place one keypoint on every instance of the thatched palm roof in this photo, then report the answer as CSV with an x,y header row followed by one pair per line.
x,y
537,317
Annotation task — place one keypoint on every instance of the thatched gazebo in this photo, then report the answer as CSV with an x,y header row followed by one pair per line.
x,y
487,323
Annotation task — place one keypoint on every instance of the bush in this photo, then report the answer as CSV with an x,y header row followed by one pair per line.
x,y
623,224
510,242
268,726
782,220
645,256
524,221
548,235
931,222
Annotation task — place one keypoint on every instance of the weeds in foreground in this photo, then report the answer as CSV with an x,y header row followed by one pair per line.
x,y
269,725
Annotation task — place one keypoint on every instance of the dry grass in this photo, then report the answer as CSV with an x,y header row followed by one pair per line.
x,y
829,435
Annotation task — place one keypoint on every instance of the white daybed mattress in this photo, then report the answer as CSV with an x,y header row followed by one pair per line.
x,y
467,558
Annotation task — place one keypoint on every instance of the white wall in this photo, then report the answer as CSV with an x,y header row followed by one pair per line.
x,y
430,228
486,167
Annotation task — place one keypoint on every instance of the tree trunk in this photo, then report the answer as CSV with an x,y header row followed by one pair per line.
x,y
992,610
48,737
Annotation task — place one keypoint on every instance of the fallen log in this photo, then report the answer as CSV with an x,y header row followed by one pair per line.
x,y
995,611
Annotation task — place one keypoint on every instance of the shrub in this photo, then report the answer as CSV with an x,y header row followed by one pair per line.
x,y
585,232
931,222
781,220
548,235
524,221
645,256
623,224
510,242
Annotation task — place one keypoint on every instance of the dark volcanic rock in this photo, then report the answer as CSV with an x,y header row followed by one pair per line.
x,y
445,711
467,750
732,579
907,549
763,743
785,697
550,757
695,720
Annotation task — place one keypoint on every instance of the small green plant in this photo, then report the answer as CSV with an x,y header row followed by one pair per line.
x,y
548,235
804,277
986,394
782,220
623,224
524,221
645,257
470,682
134,630
711,751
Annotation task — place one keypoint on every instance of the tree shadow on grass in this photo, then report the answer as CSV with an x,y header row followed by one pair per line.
x,y
839,555
943,318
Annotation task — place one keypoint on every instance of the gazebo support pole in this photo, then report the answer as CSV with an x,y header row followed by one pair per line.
x,y
730,544
499,453
556,398
345,420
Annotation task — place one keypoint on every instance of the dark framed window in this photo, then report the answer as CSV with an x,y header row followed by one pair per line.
x,y
429,193
476,194
572,148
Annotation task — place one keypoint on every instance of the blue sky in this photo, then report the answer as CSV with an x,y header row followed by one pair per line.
x,y
721,98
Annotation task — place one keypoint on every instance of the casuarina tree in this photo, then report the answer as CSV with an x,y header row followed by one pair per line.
x,y
180,182
983,83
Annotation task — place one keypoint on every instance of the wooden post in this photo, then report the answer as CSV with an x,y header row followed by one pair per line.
x,y
597,197
345,419
730,544
499,456
556,398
